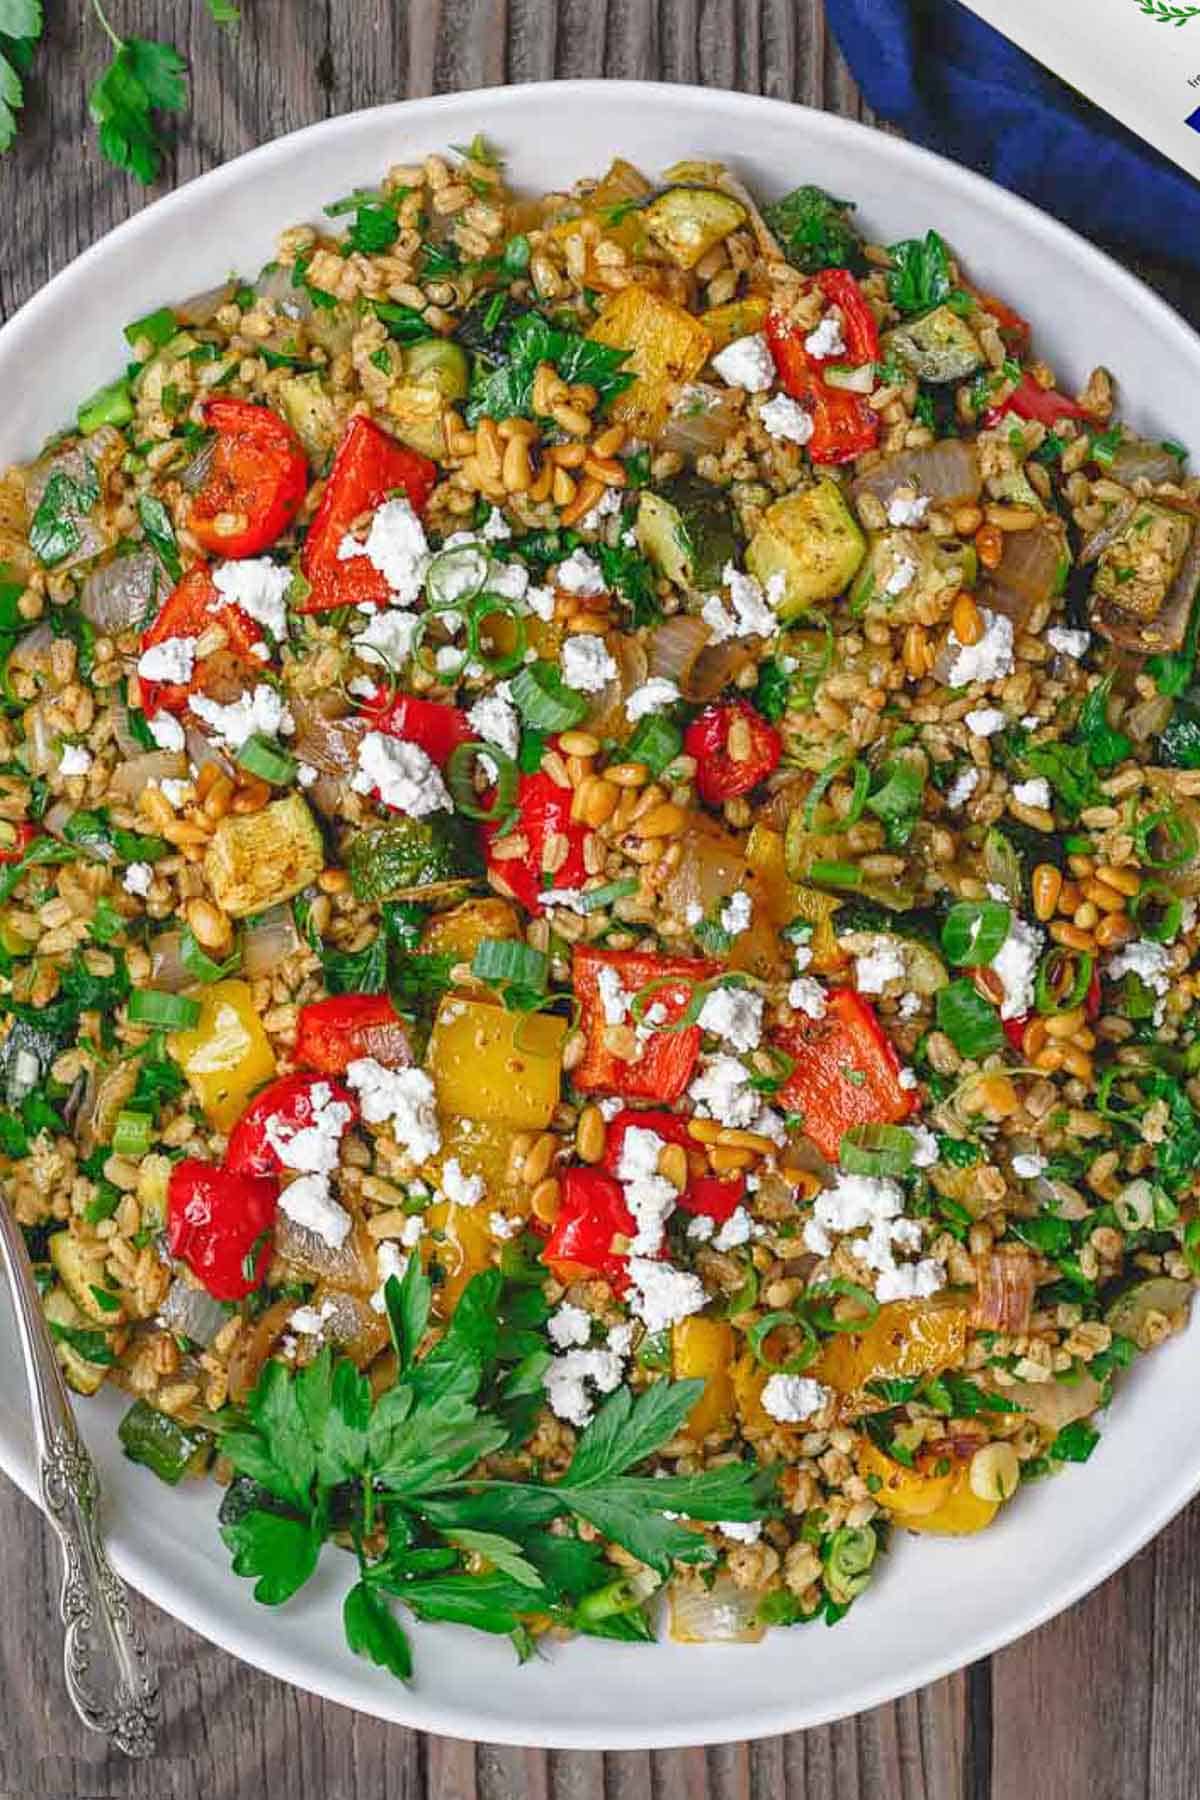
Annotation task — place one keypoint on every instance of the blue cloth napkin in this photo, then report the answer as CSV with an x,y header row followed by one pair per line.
x,y
953,83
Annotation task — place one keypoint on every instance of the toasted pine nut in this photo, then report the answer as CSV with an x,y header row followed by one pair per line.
x,y
1013,518
209,924
517,470
1085,916
1072,936
1049,1059
568,456
1077,1062
746,1140
607,443
590,1134
660,821
562,490
182,831
967,520
672,1165
578,743
1126,881
219,797
206,777
578,769
596,800
461,443
628,775
966,620
518,1150
508,849
1081,865
251,797
158,809
918,652
1033,1039
538,1161
517,428
1064,1025
571,419
546,1200
606,470
705,1131
727,1161
997,1094
554,766
487,449
1108,899
587,495
333,881
541,483
1069,896
989,543
1114,929
1046,886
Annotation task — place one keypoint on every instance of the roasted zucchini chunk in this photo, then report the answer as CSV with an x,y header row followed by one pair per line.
x,y
937,347
407,855
687,531
83,1375
83,1278
905,570
310,412
1146,579
666,345
260,858
813,541
688,221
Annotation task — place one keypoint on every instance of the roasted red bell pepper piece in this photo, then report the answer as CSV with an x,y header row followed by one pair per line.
x,y
1031,401
333,1033
544,812
846,1072
16,839
719,776
711,1198
1014,1030
193,607
704,1194
294,1103
666,1060
220,1223
844,426
368,468
860,333
434,725
256,481
581,1243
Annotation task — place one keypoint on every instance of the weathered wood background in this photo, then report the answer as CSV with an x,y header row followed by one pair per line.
x,y
1103,1704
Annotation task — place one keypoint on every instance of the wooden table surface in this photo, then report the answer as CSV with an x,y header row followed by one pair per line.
x,y
1102,1704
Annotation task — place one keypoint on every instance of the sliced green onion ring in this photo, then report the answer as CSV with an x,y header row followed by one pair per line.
x,y
544,700
974,931
1063,979
1177,829
151,1006
492,606
877,1150
1152,896
132,1133
510,961
826,1292
841,765
263,757
762,1329
454,577
460,772
835,875
199,965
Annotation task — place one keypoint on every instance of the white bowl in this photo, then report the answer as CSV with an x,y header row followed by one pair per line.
x,y
935,1605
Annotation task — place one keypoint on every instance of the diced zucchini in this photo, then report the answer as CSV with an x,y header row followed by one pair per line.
x,y
12,942
938,566
813,541
418,414
666,345
1157,1294
154,1174
310,412
939,346
441,364
409,854
1137,569
162,1444
81,1275
258,859
83,1376
687,531
689,221
149,380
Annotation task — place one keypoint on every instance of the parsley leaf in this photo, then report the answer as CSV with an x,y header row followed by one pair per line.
x,y
625,1431
814,230
919,277
20,28
143,78
373,1632
281,1552
506,391
630,574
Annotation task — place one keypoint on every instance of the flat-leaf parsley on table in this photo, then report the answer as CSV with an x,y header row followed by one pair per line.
x,y
391,1477
20,29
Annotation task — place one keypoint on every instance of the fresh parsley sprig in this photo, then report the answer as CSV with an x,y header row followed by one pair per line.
x,y
21,24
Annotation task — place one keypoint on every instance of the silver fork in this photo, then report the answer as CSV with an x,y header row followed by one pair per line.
x,y
109,1678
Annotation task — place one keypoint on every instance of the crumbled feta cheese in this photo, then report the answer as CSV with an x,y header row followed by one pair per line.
x,y
649,1196
258,587
406,777
907,1078
166,731
565,1382
962,787
396,546
613,998
496,528
737,913
985,721
1068,642
137,879
910,1006
570,899
783,417
693,913
722,1089
734,1014
857,1200
261,711
586,663
988,660
663,1294
460,1188
910,1281
902,576
309,1321
746,363
1028,1165
755,615
1150,961
580,574
1035,792
925,1147
608,504
1015,962
75,760
826,340
503,1227
403,1098
173,660
308,1203
874,968
651,697
388,1262
311,1148
388,637
177,792
541,601
701,1228
806,995
306,775
742,1534
792,1398
510,579
803,953
494,719
907,509
569,1326
736,1230
362,687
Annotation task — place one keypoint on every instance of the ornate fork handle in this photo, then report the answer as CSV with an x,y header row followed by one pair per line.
x,y
109,1678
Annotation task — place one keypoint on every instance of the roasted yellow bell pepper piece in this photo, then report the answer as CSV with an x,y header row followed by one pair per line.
x,y
749,1379
666,345
481,1147
460,931
907,1337
226,1055
458,1240
911,1492
737,318
790,899
702,1349
487,1063
961,1513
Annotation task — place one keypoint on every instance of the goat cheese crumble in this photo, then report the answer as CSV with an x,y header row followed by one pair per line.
x,y
174,660
258,587
395,544
580,574
747,363
309,1204
651,697
783,417
402,1098
790,1399
989,660
405,776
587,665
260,712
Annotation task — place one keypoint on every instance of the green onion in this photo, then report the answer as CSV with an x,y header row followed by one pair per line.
x,y
1176,829
151,1006
593,899
656,742
898,802
109,405
841,765
974,930
510,962
460,772
107,922
491,606
1063,979
263,757
818,1303
200,966
762,1329
1191,1245
157,327
968,1020
835,875
847,1560
132,1133
644,999
544,700
1164,926
876,1150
